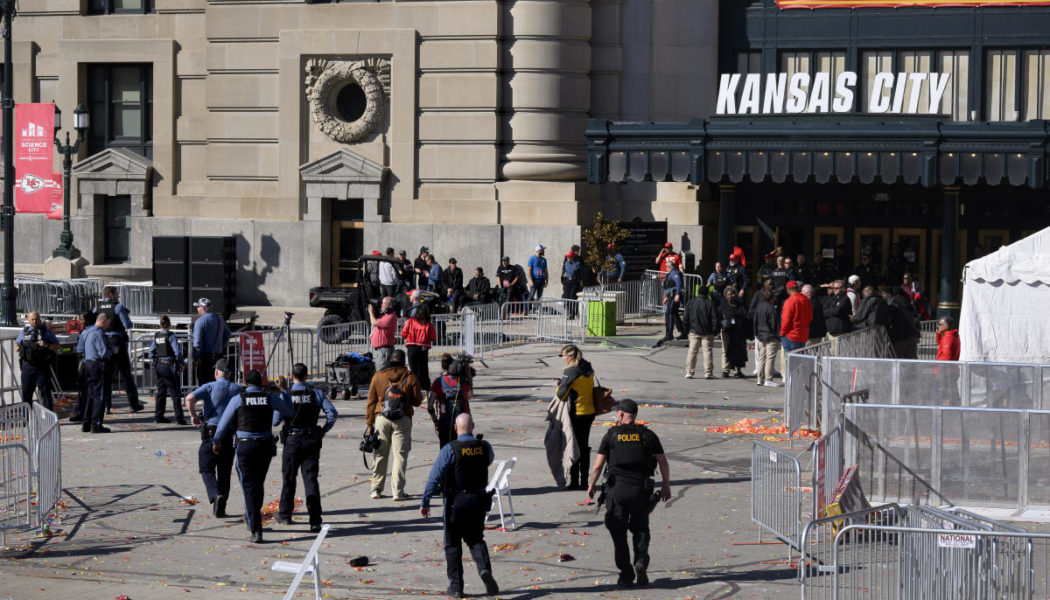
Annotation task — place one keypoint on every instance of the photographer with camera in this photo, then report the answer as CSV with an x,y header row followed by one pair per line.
x,y
392,396
450,394
253,411
301,437
633,452
384,326
36,352
462,472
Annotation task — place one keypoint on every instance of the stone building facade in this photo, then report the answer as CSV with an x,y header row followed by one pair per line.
x,y
315,131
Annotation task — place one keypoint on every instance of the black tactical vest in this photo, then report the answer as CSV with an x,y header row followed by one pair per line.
x,y
255,414
470,467
109,308
164,349
306,410
28,350
629,453
721,281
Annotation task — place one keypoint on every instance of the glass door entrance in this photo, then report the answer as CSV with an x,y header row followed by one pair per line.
x,y
348,240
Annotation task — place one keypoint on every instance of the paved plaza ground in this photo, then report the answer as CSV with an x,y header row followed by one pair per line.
x,y
124,531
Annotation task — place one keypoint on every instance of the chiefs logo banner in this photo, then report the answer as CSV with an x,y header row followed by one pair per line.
x,y
903,3
37,188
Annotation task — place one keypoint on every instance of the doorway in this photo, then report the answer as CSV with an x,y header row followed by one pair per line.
x,y
907,255
348,240
116,229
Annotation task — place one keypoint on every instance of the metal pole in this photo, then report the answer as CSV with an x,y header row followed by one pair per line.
x,y
8,293
66,249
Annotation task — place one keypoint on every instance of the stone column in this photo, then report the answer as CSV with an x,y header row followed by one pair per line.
x,y
548,58
726,210
947,304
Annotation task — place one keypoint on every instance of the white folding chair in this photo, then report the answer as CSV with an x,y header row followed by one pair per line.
x,y
500,483
310,564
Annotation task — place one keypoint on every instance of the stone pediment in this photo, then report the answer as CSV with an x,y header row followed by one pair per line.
x,y
343,166
114,164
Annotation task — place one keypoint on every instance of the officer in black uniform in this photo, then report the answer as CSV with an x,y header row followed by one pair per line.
x,y
632,451
119,323
719,280
251,412
166,355
462,468
302,446
36,352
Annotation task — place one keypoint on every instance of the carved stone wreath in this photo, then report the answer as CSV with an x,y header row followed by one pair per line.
x,y
325,79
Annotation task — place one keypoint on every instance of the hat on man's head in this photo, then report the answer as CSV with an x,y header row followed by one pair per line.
x,y
205,302
853,279
397,357
539,247
452,261
792,285
668,245
423,249
628,406
222,365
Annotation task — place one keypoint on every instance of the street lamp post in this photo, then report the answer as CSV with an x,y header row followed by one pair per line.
x,y
8,293
66,249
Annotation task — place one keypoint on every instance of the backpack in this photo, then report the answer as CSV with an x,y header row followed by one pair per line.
x,y
394,402
451,406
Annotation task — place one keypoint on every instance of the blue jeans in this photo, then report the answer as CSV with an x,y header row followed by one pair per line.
x,y
789,345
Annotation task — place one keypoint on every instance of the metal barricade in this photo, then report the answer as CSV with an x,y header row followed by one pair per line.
x,y
776,493
627,295
139,343
927,340
56,296
801,392
31,457
827,469
10,374
817,545
883,561
547,320
136,296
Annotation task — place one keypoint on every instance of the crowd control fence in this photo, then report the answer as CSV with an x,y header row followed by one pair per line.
x,y
927,340
31,459
137,296
57,296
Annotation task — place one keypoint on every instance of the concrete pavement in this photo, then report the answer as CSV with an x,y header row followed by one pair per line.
x,y
123,529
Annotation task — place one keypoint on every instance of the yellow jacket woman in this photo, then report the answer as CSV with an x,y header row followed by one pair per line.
x,y
577,388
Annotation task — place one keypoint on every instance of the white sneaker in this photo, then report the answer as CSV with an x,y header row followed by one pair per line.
x,y
759,383
401,498
376,495
688,375
773,384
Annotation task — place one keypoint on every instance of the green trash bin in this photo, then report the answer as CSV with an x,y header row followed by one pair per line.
x,y
601,318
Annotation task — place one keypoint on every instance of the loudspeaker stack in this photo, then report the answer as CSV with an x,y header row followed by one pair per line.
x,y
186,269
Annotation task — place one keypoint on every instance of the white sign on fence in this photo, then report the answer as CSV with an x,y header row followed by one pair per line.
x,y
953,540
772,456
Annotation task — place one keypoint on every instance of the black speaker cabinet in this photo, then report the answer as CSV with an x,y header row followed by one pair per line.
x,y
170,249
171,300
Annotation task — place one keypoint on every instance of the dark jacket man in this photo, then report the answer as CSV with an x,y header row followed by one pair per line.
x,y
701,318
872,310
765,321
837,310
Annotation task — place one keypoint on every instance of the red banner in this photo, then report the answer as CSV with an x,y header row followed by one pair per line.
x,y
253,353
903,3
37,188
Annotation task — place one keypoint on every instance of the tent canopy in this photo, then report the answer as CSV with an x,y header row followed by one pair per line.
x,y
1006,304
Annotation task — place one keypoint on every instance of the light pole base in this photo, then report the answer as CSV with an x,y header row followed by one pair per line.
x,y
58,267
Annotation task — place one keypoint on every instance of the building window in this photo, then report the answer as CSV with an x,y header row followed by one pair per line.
x,y
120,7
831,62
954,63
1037,84
121,105
116,233
1000,86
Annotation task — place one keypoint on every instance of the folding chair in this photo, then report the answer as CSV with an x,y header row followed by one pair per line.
x,y
500,483
310,564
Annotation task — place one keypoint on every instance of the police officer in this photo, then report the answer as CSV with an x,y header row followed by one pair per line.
x,y
166,356
36,351
214,467
462,469
302,446
210,336
251,414
119,323
718,281
632,451
87,321
97,353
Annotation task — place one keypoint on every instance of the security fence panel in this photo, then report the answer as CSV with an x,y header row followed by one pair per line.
x,y
827,469
56,296
30,459
47,460
846,375
137,297
816,569
927,340
999,385
776,493
895,453
144,370
1038,458
980,456
10,374
554,320
628,296
334,341
801,387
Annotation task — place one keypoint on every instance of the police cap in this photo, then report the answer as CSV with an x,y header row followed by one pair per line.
x,y
628,406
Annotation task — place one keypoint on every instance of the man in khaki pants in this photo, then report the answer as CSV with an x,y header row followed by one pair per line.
x,y
393,395
703,324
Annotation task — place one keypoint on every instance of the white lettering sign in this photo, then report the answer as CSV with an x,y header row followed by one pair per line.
x,y
952,540
890,93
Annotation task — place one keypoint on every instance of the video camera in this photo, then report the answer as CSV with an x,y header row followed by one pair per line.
x,y
460,366
369,442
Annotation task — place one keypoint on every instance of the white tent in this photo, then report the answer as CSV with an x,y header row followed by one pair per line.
x,y
1006,304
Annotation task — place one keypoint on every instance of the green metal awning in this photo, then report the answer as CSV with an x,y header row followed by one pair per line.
x,y
920,151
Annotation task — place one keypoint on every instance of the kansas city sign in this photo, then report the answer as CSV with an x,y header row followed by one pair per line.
x,y
890,93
